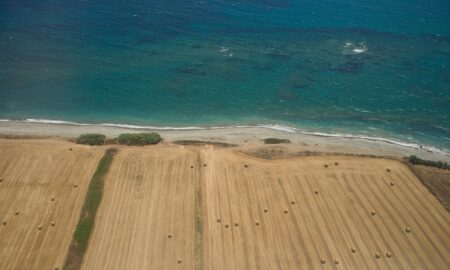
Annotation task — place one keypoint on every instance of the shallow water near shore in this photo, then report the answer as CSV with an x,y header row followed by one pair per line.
x,y
376,70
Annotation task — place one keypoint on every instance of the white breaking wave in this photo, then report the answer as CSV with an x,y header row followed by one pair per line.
x,y
380,139
147,127
55,122
351,48
267,126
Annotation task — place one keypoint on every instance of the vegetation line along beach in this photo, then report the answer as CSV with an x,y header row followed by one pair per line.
x,y
198,240
85,225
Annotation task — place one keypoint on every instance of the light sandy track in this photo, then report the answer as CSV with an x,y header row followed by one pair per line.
x,y
148,194
324,225
33,172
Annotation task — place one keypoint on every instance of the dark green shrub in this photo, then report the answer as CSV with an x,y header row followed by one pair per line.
x,y
276,141
91,139
139,138
438,164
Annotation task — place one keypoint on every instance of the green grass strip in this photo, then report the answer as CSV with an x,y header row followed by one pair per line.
x,y
198,240
198,221
80,239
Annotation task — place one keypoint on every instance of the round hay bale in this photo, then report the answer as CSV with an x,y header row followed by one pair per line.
x,y
377,255
336,262
316,191
219,220
285,211
204,165
17,213
407,229
75,185
169,236
236,224
226,225
56,268
39,227
52,224
245,165
388,254
257,223
52,199
4,222
70,149
192,167
266,210
392,183
1,180
179,261
372,213
326,166
336,163
323,261
388,170
292,202
353,249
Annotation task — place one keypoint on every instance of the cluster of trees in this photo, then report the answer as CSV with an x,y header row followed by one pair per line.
x,y
138,138
124,138
91,139
438,164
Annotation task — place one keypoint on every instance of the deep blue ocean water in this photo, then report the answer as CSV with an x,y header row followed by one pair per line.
x,y
370,68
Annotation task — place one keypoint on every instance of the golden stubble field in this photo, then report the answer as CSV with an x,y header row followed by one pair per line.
x,y
174,207
39,204
146,219
298,214
202,208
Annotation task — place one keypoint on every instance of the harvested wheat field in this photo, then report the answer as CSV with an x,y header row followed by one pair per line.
x,y
204,208
146,219
332,212
39,204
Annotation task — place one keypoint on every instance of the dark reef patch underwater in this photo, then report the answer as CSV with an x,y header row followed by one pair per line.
x,y
366,68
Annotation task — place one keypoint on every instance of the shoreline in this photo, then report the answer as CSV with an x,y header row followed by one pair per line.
x,y
245,136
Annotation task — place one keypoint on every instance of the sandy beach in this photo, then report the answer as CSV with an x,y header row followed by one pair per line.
x,y
245,137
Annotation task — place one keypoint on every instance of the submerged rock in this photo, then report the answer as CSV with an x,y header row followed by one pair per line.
x,y
190,71
278,56
349,67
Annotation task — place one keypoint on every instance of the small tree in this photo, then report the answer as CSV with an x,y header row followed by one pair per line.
x,y
91,139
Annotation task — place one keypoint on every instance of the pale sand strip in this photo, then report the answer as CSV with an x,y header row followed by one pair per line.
x,y
248,137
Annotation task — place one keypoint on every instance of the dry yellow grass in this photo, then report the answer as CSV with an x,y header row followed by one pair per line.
x,y
38,200
350,215
171,207
322,227
146,218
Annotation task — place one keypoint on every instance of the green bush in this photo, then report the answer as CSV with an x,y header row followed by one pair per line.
x,y
139,138
276,141
91,139
438,164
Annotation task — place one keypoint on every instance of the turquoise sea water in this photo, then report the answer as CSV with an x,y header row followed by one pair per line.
x,y
366,68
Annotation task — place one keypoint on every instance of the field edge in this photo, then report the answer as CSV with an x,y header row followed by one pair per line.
x,y
85,225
